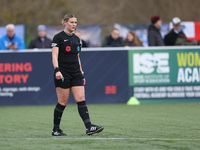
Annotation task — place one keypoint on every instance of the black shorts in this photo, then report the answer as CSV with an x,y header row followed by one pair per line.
x,y
70,80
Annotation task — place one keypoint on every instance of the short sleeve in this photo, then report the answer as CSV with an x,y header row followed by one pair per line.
x,y
55,42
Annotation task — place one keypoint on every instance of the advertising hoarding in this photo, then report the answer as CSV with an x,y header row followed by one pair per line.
x,y
164,74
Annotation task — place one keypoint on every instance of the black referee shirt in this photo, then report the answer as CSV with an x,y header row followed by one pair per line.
x,y
69,47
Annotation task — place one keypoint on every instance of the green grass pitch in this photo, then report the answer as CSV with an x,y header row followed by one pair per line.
x,y
171,126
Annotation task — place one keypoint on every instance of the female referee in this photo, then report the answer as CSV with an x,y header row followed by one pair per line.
x,y
68,75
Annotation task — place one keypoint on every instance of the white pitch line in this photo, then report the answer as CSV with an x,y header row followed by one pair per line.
x,y
144,139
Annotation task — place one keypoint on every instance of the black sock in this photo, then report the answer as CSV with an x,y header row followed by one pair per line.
x,y
58,111
83,112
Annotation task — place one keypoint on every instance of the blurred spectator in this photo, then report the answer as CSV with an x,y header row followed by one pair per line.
x,y
132,39
154,36
41,41
82,42
113,40
176,36
10,41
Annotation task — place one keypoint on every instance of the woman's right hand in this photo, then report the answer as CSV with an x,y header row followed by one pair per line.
x,y
59,75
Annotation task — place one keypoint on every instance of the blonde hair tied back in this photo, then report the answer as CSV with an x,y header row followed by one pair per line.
x,y
67,17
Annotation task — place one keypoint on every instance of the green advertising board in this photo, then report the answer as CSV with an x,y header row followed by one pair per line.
x,y
163,74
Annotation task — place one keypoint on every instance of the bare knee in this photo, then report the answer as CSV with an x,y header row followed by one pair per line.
x,y
62,103
79,98
63,96
62,100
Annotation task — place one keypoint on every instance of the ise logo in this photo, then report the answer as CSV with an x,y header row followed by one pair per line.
x,y
150,63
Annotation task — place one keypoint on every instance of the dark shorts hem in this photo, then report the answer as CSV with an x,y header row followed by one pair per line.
x,y
70,80
68,83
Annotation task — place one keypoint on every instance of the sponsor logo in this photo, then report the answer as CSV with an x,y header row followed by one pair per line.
x,y
110,89
53,44
66,40
15,73
93,128
149,63
56,133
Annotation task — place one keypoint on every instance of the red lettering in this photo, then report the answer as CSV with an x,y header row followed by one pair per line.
x,y
13,67
1,67
16,67
7,67
111,89
24,78
1,79
28,67
68,48
17,78
8,79
19,67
